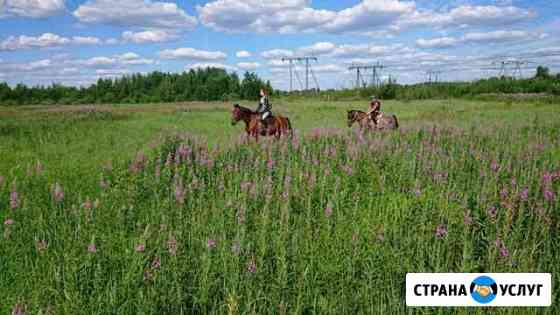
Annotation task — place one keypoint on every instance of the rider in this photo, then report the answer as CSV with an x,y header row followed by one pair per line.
x,y
264,108
374,109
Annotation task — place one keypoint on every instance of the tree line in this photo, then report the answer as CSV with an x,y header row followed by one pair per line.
x,y
209,84
542,83
213,84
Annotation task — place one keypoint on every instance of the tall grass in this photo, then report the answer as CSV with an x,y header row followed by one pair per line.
x,y
325,222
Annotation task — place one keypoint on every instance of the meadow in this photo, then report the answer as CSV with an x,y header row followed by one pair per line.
x,y
168,209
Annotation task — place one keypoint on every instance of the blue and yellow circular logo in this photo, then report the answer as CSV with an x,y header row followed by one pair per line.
x,y
484,289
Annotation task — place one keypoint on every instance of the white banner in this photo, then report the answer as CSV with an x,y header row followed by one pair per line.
x,y
478,289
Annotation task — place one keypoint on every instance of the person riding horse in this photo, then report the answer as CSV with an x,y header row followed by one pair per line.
x,y
264,109
374,109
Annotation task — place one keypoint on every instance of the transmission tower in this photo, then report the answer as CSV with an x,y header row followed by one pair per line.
x,y
374,73
308,69
513,66
433,76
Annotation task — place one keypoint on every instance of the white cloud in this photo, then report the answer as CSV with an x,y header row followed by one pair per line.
x,y
98,62
441,42
291,16
149,36
135,13
31,8
111,72
368,50
243,54
191,53
481,38
278,63
368,17
277,54
466,15
26,42
45,40
86,40
210,65
249,66
316,49
131,58
502,36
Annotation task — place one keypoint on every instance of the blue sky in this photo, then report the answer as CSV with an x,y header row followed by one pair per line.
x,y
76,42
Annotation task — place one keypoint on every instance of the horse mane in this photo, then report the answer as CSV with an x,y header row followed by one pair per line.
x,y
356,111
245,110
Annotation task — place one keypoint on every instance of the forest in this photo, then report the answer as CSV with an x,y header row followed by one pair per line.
x,y
212,84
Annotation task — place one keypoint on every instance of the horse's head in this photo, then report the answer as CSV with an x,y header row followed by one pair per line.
x,y
236,114
351,117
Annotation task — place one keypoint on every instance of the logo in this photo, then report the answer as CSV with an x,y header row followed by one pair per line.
x,y
475,289
484,289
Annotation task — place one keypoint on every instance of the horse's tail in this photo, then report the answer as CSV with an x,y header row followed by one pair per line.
x,y
288,123
396,121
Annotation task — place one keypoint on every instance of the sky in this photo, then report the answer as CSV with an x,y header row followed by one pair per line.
x,y
76,42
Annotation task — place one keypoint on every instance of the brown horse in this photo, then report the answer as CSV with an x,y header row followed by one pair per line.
x,y
277,125
384,121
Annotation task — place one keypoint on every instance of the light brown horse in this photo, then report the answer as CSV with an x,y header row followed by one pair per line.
x,y
277,125
384,121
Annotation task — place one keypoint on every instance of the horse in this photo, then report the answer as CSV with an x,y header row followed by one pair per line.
x,y
277,125
384,121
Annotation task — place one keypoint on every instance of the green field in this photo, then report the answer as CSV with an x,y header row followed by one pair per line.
x,y
131,209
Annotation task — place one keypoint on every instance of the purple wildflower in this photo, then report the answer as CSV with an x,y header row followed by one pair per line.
x,y
172,246
9,222
179,191
138,164
252,266
140,248
495,166
504,193
549,195
348,170
524,195
270,164
211,243
14,199
246,185
492,212
92,248
504,252
19,309
58,193
156,263
441,231
328,210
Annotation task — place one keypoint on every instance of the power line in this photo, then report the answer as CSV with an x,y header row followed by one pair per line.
x,y
305,59
374,73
